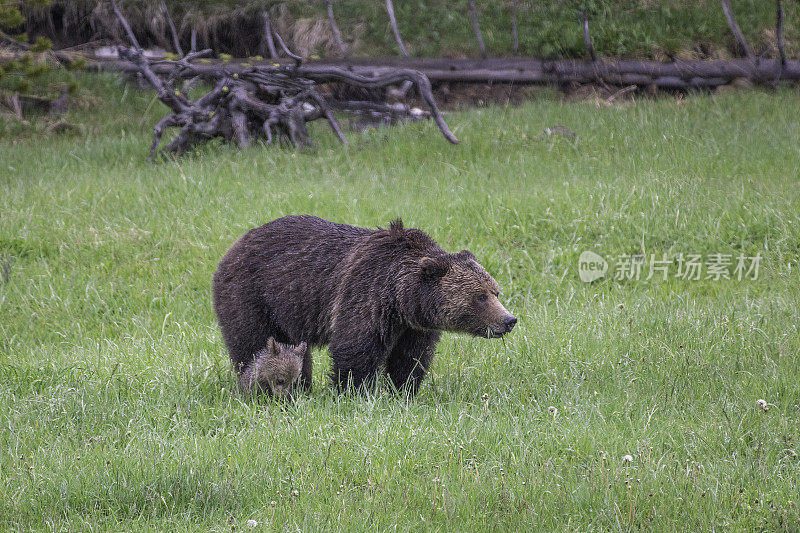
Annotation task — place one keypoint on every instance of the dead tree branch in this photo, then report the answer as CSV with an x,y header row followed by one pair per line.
x,y
393,22
6,38
263,101
779,31
476,27
514,40
335,28
737,33
322,75
174,32
297,59
587,39
268,36
125,25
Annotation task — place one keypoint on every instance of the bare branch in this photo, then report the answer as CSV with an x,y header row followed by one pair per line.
x,y
779,31
399,93
175,41
268,36
16,106
13,42
587,39
393,22
171,98
125,25
621,92
189,84
193,45
737,33
166,122
515,41
286,50
394,77
326,111
473,14
335,28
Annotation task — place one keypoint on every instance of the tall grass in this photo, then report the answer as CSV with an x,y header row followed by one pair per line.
x,y
433,28
118,409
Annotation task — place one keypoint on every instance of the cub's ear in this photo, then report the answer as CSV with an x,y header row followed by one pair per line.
x,y
433,268
465,254
272,346
301,348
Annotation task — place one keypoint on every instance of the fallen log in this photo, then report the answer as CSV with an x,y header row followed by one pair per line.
x,y
668,75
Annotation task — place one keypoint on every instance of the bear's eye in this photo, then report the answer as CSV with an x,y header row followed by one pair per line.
x,y
482,297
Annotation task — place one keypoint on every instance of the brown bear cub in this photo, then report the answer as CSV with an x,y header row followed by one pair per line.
x,y
274,369
378,298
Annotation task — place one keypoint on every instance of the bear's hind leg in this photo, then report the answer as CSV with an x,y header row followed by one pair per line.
x,y
410,358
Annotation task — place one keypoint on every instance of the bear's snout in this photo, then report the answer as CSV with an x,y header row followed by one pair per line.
x,y
505,326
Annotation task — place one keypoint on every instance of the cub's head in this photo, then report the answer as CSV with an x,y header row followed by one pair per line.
x,y
279,366
462,296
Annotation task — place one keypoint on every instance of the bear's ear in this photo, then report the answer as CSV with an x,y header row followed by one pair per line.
x,y
466,254
272,346
433,268
396,227
301,348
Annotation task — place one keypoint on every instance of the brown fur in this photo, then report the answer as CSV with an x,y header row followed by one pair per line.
x,y
377,298
273,370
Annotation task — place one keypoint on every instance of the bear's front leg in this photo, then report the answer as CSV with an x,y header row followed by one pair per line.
x,y
356,360
410,358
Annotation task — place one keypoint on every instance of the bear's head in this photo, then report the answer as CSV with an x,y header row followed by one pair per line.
x,y
462,297
281,367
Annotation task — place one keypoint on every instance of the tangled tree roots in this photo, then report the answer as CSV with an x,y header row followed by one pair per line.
x,y
270,102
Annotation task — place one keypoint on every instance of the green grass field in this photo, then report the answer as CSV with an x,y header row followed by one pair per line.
x,y
118,408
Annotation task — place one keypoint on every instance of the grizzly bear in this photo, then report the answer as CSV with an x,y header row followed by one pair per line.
x,y
274,369
377,298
